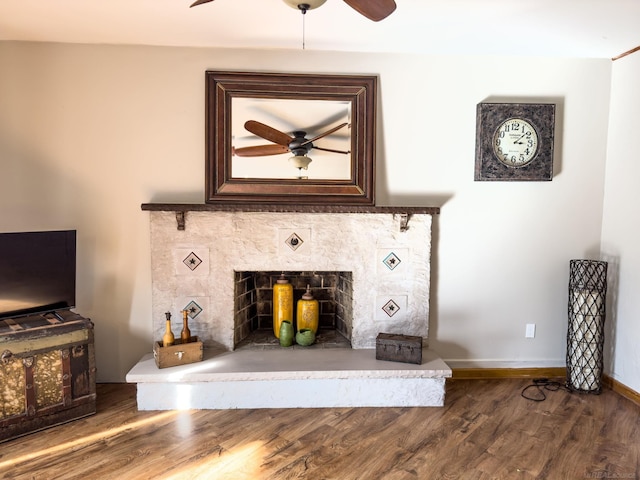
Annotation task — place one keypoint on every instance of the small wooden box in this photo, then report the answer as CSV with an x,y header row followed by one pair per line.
x,y
399,348
177,354
47,372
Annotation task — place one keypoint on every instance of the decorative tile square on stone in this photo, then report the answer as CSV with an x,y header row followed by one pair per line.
x,y
192,261
392,261
294,241
391,308
193,308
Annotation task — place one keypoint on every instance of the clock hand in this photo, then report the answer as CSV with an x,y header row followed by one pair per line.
x,y
518,140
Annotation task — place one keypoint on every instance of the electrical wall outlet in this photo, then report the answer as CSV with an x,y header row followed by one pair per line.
x,y
530,331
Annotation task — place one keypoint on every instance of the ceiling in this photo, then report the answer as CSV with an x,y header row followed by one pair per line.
x,y
566,28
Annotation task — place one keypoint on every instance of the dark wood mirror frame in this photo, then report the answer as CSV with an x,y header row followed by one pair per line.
x,y
360,91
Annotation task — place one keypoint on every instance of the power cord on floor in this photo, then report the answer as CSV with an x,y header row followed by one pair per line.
x,y
541,385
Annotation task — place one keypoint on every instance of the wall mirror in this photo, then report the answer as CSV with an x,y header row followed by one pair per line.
x,y
290,138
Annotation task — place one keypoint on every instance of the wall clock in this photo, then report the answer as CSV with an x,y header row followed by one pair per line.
x,y
514,141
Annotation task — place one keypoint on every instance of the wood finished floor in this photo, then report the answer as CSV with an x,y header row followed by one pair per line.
x,y
486,430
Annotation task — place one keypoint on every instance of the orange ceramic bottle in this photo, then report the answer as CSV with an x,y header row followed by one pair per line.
x,y
282,303
308,312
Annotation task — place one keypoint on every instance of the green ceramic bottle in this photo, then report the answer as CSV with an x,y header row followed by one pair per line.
x,y
305,337
286,333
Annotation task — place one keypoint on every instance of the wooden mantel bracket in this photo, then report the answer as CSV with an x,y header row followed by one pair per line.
x,y
404,221
180,219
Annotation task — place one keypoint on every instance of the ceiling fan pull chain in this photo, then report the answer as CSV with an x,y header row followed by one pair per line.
x,y
303,28
303,7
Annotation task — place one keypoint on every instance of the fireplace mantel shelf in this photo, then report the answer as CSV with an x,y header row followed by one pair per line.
x,y
182,208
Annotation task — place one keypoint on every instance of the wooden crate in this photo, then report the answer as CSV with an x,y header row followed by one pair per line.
x,y
47,372
399,348
178,354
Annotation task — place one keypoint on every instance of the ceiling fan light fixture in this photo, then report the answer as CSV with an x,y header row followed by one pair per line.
x,y
301,162
375,10
306,5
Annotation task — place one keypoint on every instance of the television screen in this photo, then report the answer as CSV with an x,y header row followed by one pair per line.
x,y
37,272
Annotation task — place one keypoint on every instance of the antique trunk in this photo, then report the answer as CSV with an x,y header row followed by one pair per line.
x,y
177,354
399,348
47,371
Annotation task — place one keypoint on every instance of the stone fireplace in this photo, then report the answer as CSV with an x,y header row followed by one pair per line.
x,y
368,266
388,263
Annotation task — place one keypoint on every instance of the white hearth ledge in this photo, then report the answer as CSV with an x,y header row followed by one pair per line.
x,y
290,378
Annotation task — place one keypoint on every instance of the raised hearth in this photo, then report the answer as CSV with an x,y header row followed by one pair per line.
x,y
290,378
197,252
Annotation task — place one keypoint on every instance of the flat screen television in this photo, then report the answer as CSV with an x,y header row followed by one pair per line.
x,y
37,272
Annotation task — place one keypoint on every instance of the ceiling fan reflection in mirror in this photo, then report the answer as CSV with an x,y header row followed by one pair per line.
x,y
297,144
375,10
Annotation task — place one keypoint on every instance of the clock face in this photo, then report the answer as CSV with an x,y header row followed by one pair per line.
x,y
515,142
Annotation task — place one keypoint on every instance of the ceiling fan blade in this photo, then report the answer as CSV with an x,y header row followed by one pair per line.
x,y
330,150
268,133
328,132
259,150
375,10
199,2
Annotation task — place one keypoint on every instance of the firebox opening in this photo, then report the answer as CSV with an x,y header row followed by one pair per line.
x,y
253,305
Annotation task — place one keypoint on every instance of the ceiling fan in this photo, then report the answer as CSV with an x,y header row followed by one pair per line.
x,y
297,144
375,10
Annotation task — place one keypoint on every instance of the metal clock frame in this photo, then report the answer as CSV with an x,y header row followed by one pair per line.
x,y
489,117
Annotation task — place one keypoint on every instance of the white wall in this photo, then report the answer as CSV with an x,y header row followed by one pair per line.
x,y
88,133
621,230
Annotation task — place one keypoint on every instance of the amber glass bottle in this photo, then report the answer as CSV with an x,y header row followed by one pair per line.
x,y
185,334
282,303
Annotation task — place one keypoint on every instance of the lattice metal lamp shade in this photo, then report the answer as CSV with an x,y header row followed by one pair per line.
x,y
585,335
